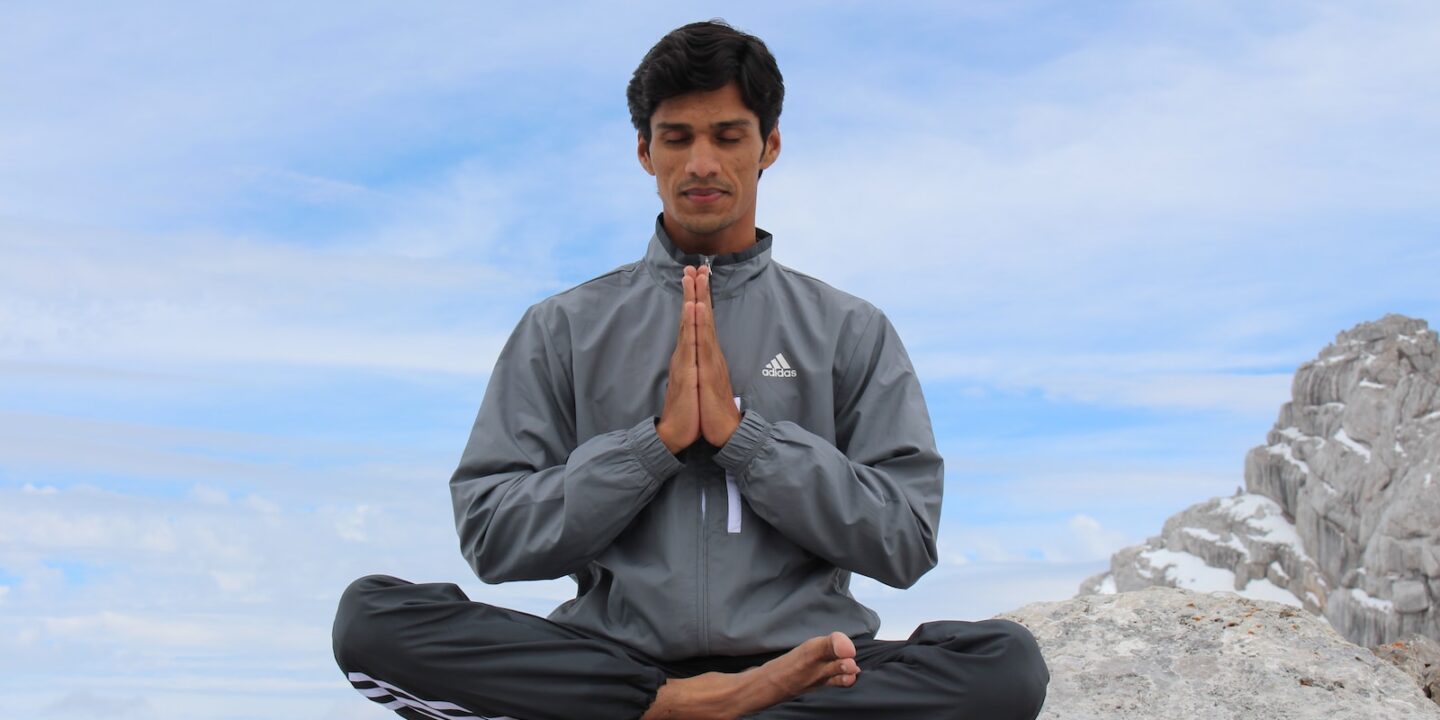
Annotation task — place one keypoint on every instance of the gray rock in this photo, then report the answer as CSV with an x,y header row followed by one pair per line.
x,y
1167,653
1242,543
1419,657
1343,502
1411,596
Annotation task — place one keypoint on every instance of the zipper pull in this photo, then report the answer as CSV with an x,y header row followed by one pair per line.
x,y
708,260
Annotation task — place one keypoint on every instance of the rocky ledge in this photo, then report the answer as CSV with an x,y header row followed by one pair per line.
x,y
1183,655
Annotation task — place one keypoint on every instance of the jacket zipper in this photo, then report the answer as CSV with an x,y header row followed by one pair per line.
x,y
702,562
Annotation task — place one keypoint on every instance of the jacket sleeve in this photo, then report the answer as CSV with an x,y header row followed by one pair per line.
x,y
529,503
869,503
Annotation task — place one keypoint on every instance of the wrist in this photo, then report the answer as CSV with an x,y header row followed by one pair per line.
x,y
667,437
727,431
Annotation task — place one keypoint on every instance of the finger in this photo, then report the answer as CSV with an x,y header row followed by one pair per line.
x,y
708,342
687,284
685,345
702,287
705,332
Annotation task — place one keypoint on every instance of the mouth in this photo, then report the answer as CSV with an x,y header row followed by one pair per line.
x,y
703,195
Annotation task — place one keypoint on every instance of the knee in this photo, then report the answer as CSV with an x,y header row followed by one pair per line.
x,y
1022,669
356,634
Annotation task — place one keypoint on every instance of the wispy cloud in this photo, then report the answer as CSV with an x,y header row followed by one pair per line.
x,y
1150,193
973,591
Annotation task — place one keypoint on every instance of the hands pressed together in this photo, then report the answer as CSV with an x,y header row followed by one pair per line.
x,y
698,400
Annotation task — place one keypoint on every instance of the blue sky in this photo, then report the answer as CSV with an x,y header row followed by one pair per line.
x,y
256,262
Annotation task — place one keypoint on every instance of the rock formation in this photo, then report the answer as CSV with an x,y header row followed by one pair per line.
x,y
1168,653
1342,513
1419,657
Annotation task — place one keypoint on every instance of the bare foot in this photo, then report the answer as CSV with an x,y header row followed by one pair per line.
x,y
815,663
825,661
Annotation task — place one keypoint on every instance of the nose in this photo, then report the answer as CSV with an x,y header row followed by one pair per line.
x,y
704,160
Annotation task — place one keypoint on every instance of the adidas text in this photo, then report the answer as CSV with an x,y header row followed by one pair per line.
x,y
779,368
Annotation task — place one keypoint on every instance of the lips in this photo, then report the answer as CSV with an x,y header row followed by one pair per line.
x,y
703,195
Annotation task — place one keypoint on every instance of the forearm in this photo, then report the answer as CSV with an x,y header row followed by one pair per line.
x,y
518,522
875,515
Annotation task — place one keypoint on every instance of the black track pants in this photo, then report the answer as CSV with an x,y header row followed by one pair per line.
x,y
427,651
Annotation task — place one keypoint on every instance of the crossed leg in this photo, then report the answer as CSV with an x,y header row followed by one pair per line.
x,y
407,645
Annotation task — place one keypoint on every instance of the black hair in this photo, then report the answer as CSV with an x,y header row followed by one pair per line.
x,y
705,56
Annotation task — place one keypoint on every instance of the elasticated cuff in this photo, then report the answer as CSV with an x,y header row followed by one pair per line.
x,y
644,443
751,435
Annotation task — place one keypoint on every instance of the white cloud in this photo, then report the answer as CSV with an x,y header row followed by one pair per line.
x,y
1077,539
121,563
1249,394
357,708
973,592
967,544
87,704
205,115
1093,542
1148,196
238,463
131,629
350,522
196,302
59,529
182,695
234,582
1095,487
261,505
210,495
1169,380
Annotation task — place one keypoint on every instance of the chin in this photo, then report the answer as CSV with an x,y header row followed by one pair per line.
x,y
704,224
705,227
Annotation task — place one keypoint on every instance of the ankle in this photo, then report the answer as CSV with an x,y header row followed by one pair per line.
x,y
709,696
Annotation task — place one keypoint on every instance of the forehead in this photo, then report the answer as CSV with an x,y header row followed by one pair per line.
x,y
704,108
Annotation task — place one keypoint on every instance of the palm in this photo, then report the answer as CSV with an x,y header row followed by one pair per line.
x,y
698,401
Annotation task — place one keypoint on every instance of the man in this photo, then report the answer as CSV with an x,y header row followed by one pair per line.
x,y
709,444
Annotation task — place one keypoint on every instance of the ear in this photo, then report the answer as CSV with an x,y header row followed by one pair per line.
x,y
772,148
642,150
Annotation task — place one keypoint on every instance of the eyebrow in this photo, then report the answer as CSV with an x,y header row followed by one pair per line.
x,y
723,124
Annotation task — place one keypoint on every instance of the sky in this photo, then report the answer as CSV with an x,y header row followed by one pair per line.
x,y
256,261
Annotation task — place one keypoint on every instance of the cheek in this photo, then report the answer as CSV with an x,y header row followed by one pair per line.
x,y
666,170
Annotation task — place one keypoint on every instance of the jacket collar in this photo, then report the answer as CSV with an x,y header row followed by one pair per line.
x,y
728,273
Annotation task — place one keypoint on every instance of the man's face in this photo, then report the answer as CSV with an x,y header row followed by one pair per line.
x,y
706,154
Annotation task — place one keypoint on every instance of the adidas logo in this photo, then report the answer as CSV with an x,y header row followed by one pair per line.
x,y
778,368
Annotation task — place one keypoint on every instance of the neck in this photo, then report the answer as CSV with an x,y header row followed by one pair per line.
x,y
738,236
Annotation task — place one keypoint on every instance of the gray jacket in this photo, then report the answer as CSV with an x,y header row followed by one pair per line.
x,y
740,550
